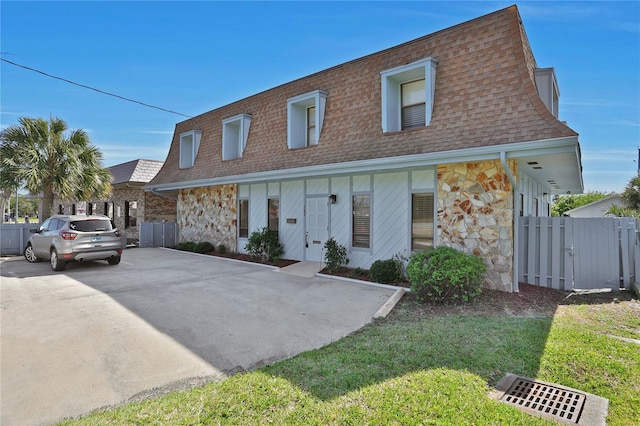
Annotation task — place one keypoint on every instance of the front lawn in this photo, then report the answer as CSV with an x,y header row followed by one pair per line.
x,y
427,366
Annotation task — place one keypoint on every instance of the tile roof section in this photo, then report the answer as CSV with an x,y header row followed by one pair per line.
x,y
485,95
136,171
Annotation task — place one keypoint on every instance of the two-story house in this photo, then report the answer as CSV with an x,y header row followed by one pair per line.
x,y
442,140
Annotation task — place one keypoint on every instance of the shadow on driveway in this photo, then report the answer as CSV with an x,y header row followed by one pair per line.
x,y
97,335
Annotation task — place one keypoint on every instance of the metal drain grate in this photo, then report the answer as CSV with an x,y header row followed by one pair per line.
x,y
546,399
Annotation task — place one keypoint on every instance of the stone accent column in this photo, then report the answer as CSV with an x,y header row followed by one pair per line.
x,y
475,215
208,214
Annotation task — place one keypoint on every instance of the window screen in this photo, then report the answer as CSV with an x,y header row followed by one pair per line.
x,y
311,126
421,221
413,104
361,221
243,214
274,213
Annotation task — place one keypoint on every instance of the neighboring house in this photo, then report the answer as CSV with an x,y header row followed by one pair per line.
x,y
597,208
442,140
128,204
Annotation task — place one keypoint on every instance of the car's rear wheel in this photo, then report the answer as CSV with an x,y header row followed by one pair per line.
x,y
56,263
114,260
30,255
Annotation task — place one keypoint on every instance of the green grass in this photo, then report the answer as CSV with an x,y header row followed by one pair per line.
x,y
412,370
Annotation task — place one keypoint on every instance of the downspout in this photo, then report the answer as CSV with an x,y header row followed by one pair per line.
x,y
512,180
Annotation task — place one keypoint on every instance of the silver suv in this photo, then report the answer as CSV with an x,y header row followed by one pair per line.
x,y
67,238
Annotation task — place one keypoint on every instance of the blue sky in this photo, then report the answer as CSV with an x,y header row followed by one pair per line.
x,y
192,57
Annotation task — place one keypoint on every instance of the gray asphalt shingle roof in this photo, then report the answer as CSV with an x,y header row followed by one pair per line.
x,y
141,171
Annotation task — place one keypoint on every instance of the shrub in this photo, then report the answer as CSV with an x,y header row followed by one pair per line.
x,y
445,274
335,255
203,247
186,246
386,271
264,245
222,248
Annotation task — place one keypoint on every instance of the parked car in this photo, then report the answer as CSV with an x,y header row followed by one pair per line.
x,y
67,238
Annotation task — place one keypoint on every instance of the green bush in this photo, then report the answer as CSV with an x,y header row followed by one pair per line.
x,y
186,246
386,271
203,247
222,248
444,275
264,245
335,255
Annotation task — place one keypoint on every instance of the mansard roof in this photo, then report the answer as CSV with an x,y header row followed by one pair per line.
x,y
485,95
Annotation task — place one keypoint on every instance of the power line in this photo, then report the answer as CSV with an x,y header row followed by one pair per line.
x,y
94,89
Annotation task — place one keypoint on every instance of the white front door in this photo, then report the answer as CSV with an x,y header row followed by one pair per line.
x,y
317,232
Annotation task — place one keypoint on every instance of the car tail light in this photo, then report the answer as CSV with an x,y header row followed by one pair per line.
x,y
118,233
66,235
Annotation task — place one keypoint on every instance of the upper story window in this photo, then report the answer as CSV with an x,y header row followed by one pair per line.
x,y
407,95
413,104
189,145
235,131
311,126
305,115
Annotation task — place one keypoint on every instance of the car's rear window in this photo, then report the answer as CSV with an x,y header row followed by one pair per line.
x,y
90,225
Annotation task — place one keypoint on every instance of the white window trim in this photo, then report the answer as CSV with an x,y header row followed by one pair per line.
x,y
391,91
235,131
195,146
297,117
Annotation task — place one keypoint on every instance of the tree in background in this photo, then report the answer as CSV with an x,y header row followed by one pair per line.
x,y
631,198
41,156
564,203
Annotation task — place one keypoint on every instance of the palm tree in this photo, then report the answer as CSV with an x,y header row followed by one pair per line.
x,y
45,159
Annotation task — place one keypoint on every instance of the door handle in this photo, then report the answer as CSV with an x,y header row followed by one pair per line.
x,y
306,239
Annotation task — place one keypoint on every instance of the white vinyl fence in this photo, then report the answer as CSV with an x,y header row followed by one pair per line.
x,y
577,253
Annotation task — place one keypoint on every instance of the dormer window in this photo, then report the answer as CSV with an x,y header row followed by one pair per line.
x,y
305,115
235,131
547,86
189,145
407,95
413,104
311,126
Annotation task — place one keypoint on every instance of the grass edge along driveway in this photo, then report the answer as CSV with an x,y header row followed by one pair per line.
x,y
409,369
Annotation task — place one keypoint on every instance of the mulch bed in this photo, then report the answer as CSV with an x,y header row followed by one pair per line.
x,y
241,256
530,301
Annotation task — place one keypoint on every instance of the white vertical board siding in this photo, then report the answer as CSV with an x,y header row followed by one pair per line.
x,y
361,183
318,187
273,189
243,191
390,218
292,207
531,189
340,212
423,180
257,207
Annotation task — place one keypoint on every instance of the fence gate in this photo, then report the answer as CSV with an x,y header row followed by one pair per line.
x,y
158,234
577,253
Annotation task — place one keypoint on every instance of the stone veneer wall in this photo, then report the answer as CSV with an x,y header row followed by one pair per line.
x,y
475,214
208,214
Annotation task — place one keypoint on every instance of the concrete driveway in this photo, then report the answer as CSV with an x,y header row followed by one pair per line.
x,y
97,335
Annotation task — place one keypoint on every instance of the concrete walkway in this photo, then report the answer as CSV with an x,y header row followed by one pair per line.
x,y
99,335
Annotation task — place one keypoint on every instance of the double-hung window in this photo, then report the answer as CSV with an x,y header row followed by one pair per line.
x,y
311,126
408,93
273,215
235,131
305,115
243,218
422,206
361,224
413,104
189,145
